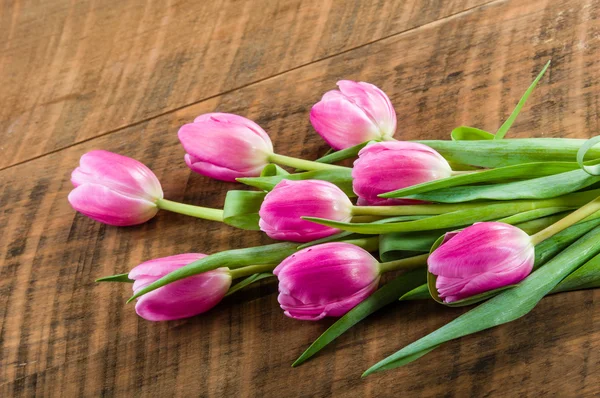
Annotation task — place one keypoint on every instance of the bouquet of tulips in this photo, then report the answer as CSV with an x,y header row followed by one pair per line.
x,y
477,220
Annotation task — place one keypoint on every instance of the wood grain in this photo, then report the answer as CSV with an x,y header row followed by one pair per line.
x,y
61,334
72,71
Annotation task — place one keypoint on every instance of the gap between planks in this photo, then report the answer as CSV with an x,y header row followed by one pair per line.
x,y
258,81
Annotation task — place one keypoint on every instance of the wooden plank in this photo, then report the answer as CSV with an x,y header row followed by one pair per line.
x,y
58,330
72,71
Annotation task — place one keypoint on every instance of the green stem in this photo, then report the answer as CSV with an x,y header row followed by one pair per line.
x,y
462,172
302,164
195,211
566,222
251,270
412,210
404,263
369,244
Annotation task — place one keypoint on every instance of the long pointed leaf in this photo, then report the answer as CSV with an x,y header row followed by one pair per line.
x,y
500,153
463,217
343,154
247,282
387,294
527,170
537,188
513,116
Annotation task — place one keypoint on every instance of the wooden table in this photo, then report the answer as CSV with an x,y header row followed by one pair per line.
x,y
124,75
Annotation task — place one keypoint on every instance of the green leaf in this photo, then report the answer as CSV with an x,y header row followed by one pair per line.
x,y
506,306
247,282
550,247
531,215
520,171
340,177
585,277
236,258
272,169
508,152
387,294
394,246
513,116
485,212
241,209
343,154
124,278
404,360
464,133
589,144
327,239
537,188
418,293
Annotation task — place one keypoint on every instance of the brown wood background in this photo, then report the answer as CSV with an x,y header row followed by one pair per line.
x,y
124,75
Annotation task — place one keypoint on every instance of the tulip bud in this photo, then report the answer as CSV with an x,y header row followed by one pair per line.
x,y
387,166
357,113
225,146
482,257
114,189
282,209
180,299
326,280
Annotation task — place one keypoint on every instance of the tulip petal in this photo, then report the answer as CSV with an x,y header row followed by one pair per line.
x,y
341,122
184,298
119,173
482,247
219,172
283,208
325,280
233,145
374,102
159,267
110,207
387,166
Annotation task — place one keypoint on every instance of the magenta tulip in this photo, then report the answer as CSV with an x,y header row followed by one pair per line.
x,y
482,257
225,146
180,299
357,113
326,280
387,166
114,189
282,209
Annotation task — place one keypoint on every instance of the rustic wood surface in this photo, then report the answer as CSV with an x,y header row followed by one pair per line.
x,y
124,75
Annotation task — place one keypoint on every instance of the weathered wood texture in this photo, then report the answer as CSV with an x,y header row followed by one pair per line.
x,y
71,71
61,334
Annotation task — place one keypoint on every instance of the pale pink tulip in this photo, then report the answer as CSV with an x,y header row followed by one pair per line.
x,y
357,113
114,189
225,146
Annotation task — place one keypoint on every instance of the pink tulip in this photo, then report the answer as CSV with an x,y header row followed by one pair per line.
x,y
357,113
114,189
282,209
225,146
387,166
183,298
326,280
482,257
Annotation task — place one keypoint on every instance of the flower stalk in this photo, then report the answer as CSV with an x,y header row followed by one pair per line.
x,y
205,213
